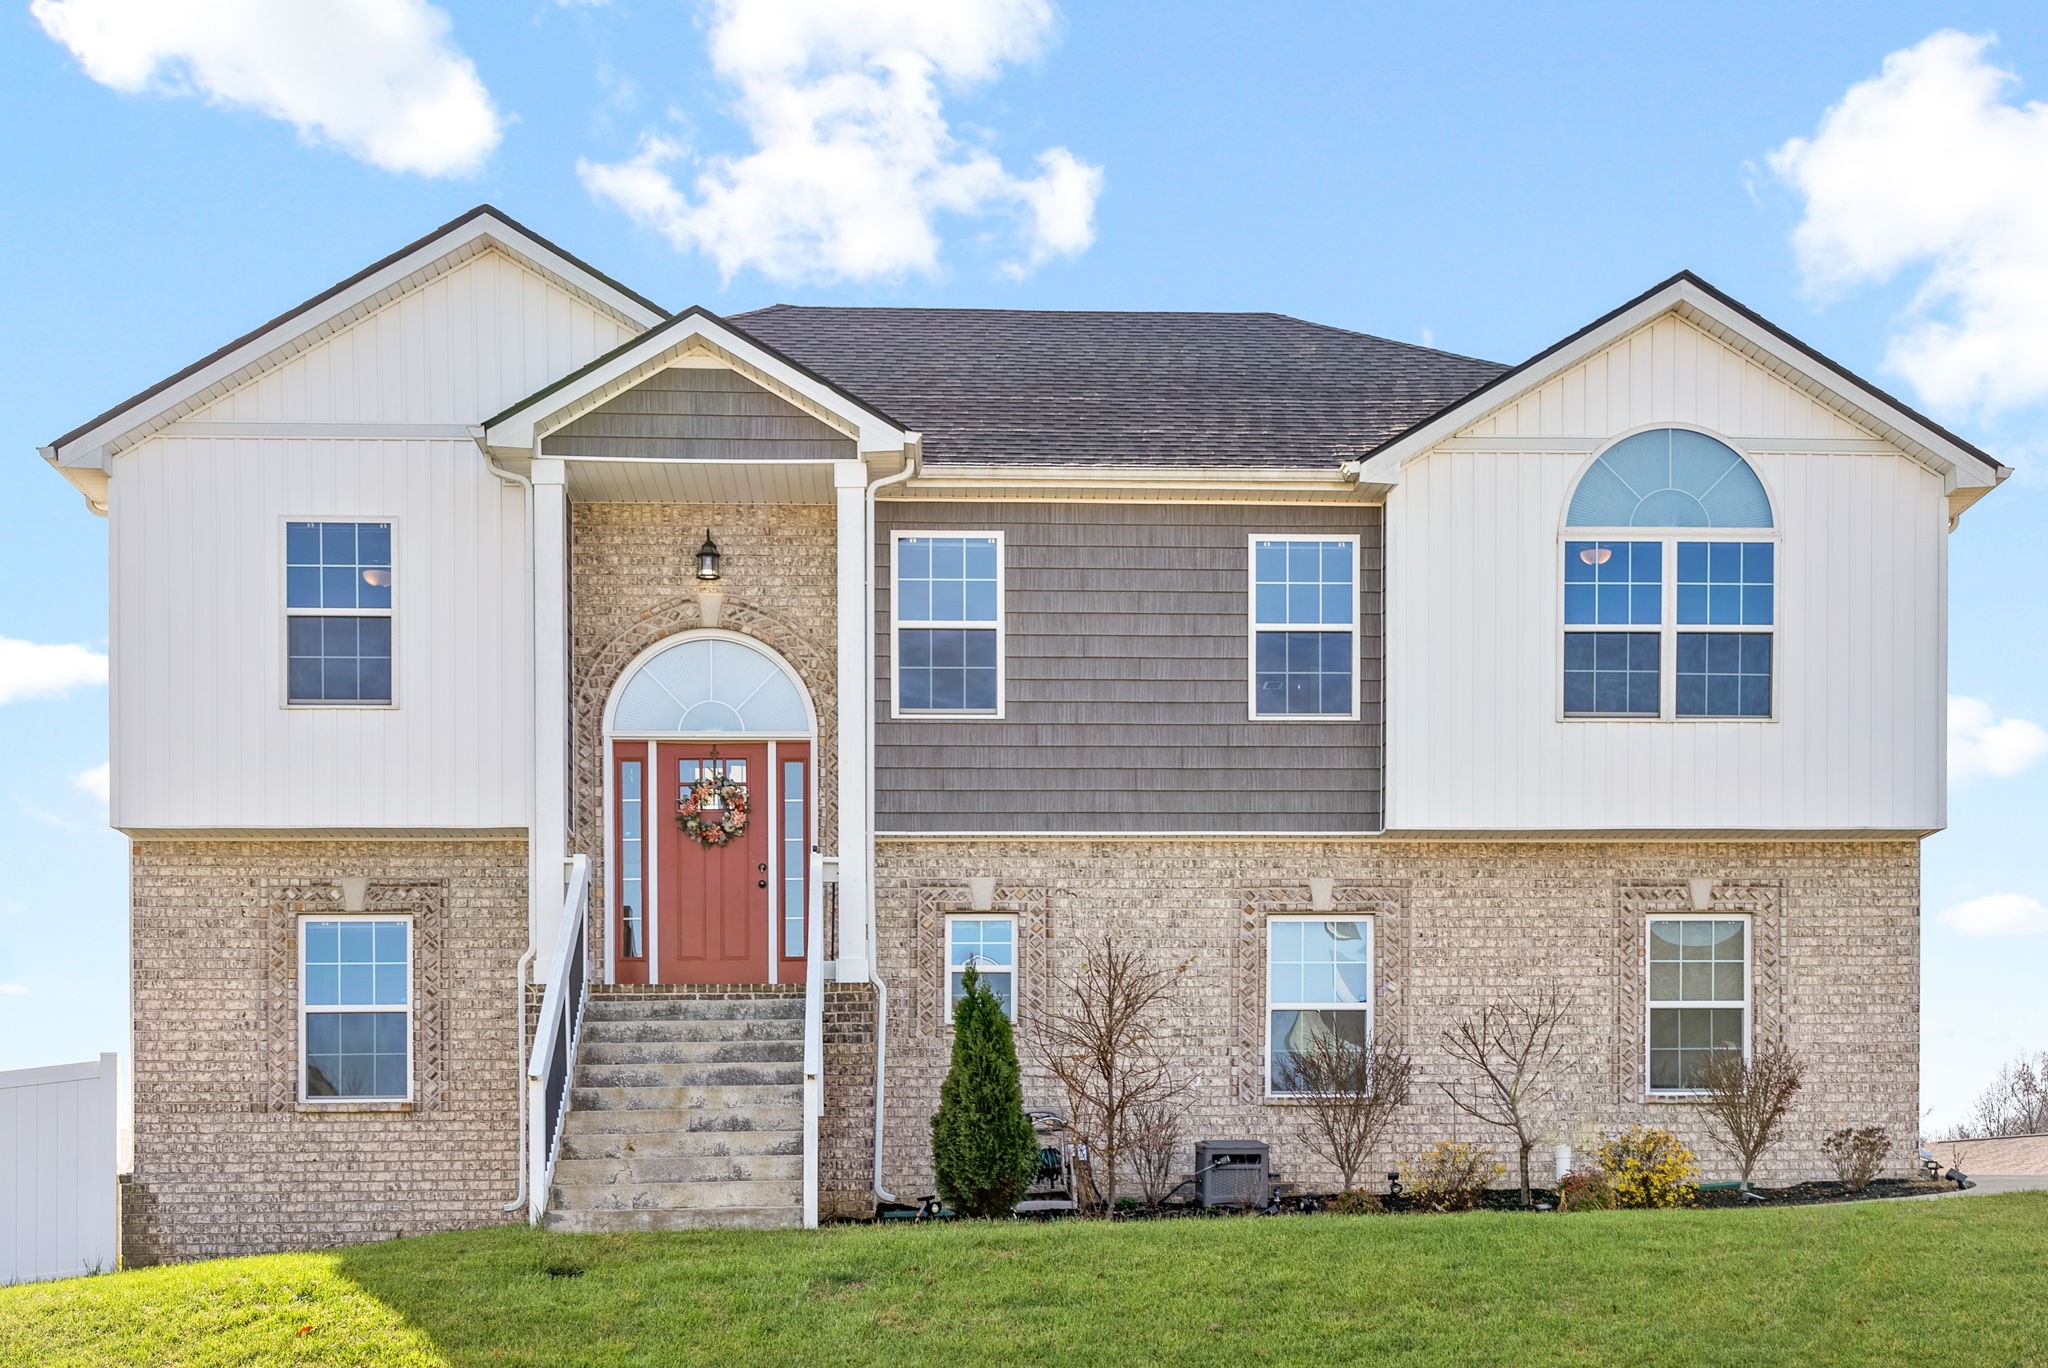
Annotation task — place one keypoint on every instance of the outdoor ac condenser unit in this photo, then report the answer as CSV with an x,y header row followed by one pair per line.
x,y
1232,1173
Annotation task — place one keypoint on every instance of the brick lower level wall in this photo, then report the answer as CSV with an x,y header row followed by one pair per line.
x,y
1835,971
227,1161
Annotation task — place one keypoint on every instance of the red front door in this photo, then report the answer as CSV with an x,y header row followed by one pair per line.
x,y
712,902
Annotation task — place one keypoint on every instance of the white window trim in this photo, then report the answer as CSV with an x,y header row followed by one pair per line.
x,y
1253,626
1669,627
953,967
1748,991
1272,1006
896,624
284,640
411,992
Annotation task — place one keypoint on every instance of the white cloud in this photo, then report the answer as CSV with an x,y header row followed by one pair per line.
x,y
1930,165
95,782
1998,914
13,989
1982,743
378,79
854,160
31,670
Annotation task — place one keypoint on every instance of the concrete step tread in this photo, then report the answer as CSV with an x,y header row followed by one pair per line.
x,y
778,1118
675,1196
586,1144
691,1097
599,1051
775,1217
685,1075
645,1170
694,1009
685,1032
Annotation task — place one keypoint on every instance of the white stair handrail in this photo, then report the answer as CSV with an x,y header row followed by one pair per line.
x,y
561,1021
814,1032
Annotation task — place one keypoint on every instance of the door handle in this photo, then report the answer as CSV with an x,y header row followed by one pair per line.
x,y
763,868
760,883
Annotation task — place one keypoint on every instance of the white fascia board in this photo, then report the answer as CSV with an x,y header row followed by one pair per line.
x,y
515,431
89,448
1930,448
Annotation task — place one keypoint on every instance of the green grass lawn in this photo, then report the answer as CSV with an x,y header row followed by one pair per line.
x,y
1949,1282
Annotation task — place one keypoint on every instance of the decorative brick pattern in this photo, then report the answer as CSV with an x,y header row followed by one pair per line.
x,y
1459,924
1030,905
1635,902
284,901
1382,903
633,583
225,1160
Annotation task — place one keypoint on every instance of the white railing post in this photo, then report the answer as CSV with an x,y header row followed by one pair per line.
x,y
814,1033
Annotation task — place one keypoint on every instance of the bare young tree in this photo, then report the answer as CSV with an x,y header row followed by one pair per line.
x,y
1103,1039
1347,1093
1154,1146
2016,1103
1746,1101
1518,1052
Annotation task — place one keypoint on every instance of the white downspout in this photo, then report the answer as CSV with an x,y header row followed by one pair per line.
x,y
532,706
910,463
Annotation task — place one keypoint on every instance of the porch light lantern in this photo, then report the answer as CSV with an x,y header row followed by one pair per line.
x,y
707,558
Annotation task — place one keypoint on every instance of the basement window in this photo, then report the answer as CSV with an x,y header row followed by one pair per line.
x,y
355,1009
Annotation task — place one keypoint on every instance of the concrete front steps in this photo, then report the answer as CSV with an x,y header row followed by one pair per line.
x,y
687,1112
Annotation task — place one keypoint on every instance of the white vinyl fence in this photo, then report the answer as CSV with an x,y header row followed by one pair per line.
x,y
58,1189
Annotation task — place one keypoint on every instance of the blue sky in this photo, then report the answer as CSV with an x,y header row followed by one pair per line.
x,y
1488,178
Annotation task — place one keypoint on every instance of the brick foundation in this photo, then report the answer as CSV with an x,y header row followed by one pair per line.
x,y
1834,969
226,1159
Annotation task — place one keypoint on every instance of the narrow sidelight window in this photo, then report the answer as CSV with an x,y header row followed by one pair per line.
x,y
1698,996
632,857
796,847
1304,621
948,613
337,594
1318,985
355,1008
990,945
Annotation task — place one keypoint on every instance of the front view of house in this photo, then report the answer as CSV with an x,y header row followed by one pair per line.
x,y
573,751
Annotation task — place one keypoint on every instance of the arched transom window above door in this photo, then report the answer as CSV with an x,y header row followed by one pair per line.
x,y
1670,583
710,686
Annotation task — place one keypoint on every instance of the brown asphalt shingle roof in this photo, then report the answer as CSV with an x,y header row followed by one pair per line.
x,y
1050,388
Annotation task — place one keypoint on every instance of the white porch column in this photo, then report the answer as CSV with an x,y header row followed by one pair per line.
x,y
548,841
856,703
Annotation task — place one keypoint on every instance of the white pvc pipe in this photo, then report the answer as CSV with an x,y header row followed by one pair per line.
x,y
519,1038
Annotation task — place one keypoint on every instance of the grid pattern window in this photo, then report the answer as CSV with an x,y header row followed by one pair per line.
x,y
338,583
1304,610
949,623
355,1008
632,860
1318,986
1675,618
1698,996
989,944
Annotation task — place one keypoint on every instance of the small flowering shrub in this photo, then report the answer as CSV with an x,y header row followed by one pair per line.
x,y
1646,1166
1356,1203
1450,1176
1585,1189
1857,1154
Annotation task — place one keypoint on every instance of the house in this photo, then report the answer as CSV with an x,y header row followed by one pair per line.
x,y
571,750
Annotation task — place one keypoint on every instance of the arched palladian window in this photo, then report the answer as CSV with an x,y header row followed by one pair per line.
x,y
711,686
1676,618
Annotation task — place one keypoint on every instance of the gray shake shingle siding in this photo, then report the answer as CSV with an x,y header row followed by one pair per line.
x,y
1037,387
703,414
1126,651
